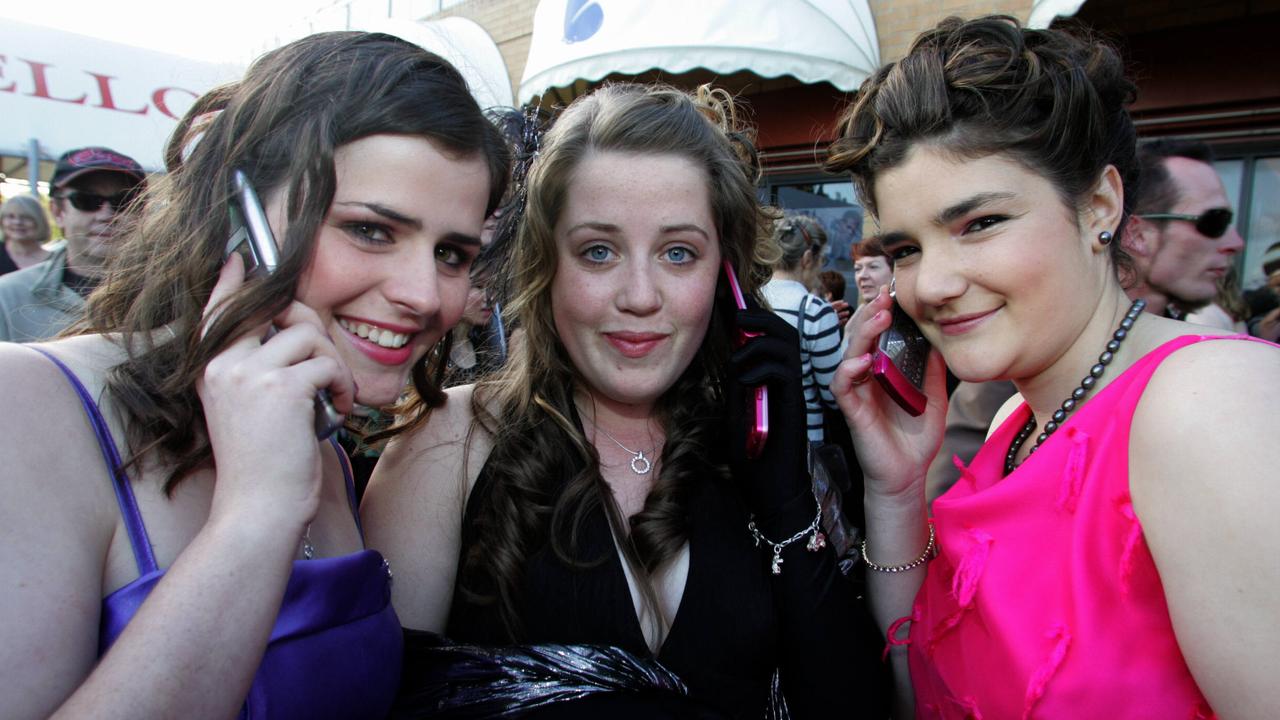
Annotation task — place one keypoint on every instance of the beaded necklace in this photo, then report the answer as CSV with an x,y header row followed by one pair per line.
x,y
1077,396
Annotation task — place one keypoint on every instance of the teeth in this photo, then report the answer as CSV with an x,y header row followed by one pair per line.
x,y
380,336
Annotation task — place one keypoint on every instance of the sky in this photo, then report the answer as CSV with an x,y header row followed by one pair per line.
x,y
232,31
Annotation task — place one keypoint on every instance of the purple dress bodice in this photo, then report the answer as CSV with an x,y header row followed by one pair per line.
x,y
335,649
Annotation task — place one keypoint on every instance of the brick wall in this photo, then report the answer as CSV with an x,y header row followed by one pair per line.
x,y
508,22
898,22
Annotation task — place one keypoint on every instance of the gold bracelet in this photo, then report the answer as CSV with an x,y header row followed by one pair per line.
x,y
930,550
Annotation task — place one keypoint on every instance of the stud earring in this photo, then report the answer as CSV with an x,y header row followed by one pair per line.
x,y
1105,237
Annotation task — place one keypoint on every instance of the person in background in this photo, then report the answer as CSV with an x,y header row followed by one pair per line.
x,y
1264,302
801,239
1180,236
583,524
1069,572
1228,309
183,545
24,227
872,268
833,285
91,191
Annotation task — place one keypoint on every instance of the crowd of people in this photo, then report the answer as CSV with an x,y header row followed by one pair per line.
x,y
621,446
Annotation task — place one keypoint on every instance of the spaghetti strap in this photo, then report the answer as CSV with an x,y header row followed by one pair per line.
x,y
142,552
350,479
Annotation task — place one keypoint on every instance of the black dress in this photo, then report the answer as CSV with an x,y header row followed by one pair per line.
x,y
736,623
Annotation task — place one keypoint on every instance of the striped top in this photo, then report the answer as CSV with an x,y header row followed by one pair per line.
x,y
820,345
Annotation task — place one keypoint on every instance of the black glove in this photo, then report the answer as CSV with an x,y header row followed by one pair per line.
x,y
781,473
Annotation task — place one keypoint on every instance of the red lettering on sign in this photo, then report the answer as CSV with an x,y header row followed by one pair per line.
x,y
107,101
42,83
158,99
11,87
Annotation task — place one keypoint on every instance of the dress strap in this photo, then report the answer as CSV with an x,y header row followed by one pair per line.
x,y
138,538
347,474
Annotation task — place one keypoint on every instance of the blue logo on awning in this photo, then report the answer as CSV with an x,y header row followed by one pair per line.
x,y
582,19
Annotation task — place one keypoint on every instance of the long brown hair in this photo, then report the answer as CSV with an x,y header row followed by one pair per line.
x,y
545,473
281,125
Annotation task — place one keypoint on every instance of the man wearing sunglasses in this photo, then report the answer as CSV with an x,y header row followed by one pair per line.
x,y
91,187
1181,235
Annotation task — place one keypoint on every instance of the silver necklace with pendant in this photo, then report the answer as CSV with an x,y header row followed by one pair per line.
x,y
640,464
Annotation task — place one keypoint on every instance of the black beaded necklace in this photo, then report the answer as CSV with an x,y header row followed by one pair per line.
x,y
1077,395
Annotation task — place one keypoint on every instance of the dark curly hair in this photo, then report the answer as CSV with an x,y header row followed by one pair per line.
x,y
1052,100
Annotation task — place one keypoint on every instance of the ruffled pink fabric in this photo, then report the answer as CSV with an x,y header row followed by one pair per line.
x,y
1044,601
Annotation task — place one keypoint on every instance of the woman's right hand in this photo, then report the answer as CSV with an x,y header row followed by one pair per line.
x,y
258,399
893,448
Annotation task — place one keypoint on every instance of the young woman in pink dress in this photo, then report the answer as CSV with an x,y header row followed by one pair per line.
x,y
1105,553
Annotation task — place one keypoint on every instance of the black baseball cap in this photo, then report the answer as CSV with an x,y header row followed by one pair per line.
x,y
80,161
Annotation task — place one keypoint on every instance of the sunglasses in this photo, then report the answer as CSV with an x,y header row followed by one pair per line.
x,y
1211,223
90,202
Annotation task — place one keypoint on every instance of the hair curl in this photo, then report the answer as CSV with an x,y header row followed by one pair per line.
x,y
281,125
529,405
1052,100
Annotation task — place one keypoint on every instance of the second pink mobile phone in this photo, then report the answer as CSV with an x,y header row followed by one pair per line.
x,y
758,432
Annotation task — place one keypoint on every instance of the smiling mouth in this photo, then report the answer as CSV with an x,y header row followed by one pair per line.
x,y
379,336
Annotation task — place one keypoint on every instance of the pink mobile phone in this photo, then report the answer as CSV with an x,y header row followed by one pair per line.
x,y
759,431
899,363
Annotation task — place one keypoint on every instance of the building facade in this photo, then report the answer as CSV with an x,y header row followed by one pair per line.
x,y
1205,69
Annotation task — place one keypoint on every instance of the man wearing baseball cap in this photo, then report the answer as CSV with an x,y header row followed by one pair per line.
x,y
91,186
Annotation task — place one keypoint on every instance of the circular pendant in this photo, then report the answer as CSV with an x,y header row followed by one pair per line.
x,y
640,464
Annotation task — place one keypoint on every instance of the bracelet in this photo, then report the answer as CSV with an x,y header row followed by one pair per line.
x,y
817,540
930,550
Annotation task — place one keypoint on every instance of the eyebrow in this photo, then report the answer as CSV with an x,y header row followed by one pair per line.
x,y
411,222
385,212
611,228
948,215
968,205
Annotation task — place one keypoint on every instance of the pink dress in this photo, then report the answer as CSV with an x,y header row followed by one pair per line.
x,y
1044,601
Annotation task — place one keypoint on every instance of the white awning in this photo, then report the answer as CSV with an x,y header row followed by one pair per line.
x,y
464,44
811,40
63,90
1044,11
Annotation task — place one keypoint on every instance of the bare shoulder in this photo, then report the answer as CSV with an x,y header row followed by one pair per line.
x,y
413,508
1212,404
56,524
1203,463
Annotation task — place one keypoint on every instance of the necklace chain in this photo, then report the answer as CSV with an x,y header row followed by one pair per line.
x,y
640,464
1077,396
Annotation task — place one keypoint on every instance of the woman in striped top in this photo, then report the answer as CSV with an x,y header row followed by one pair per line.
x,y
802,240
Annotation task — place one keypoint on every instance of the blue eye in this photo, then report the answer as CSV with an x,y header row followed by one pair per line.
x,y
598,253
680,255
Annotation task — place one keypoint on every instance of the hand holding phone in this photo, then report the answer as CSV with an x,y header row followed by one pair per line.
x,y
758,432
252,239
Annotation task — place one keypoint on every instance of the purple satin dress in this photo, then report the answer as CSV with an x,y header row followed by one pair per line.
x,y
335,650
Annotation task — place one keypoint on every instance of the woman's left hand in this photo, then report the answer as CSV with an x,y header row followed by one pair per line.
x,y
772,359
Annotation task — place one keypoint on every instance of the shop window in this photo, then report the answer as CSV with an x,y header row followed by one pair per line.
x,y
834,204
